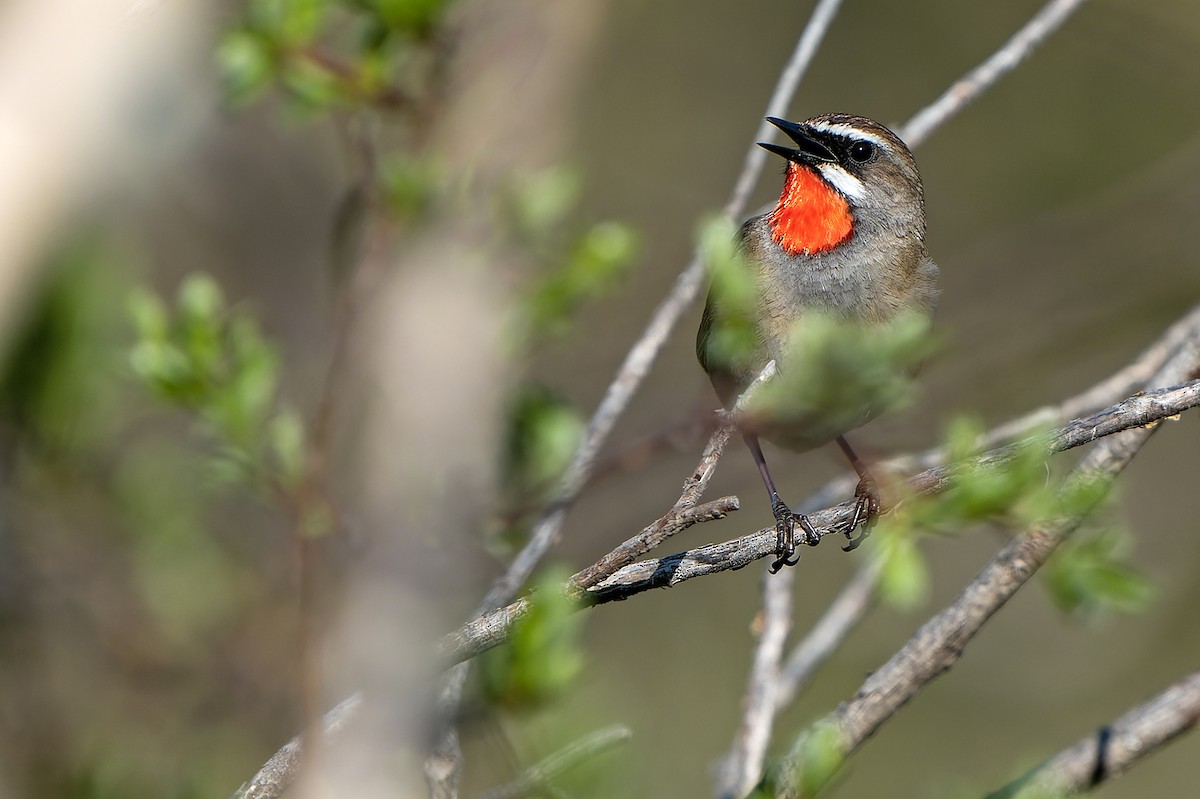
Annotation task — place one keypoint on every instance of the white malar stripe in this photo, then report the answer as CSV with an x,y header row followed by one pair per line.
x,y
843,181
850,132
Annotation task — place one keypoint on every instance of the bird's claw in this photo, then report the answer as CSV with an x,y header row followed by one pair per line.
x,y
785,535
866,509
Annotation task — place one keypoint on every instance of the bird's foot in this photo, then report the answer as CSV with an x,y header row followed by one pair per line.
x,y
786,523
866,510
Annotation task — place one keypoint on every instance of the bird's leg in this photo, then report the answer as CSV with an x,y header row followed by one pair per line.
x,y
785,520
867,495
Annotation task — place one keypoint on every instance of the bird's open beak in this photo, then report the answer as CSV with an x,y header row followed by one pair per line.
x,y
809,150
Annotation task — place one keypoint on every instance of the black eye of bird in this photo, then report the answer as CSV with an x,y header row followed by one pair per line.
x,y
862,151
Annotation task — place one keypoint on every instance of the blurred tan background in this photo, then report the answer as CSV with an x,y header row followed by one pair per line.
x,y
145,627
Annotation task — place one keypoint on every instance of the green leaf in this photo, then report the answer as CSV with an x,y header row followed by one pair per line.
x,y
822,754
417,17
288,22
543,656
904,575
837,375
599,259
544,430
286,434
247,64
200,299
1092,575
410,185
542,201
313,86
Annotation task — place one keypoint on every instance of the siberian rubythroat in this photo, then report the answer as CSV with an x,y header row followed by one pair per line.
x,y
845,244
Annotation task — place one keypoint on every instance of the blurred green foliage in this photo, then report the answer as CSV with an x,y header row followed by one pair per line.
x,y
574,264
283,43
543,655
1091,574
837,375
543,432
733,294
213,361
822,754
1088,573
56,389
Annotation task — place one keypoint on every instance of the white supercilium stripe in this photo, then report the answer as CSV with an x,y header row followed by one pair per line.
x,y
850,132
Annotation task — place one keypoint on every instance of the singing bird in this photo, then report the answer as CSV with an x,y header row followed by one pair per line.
x,y
846,242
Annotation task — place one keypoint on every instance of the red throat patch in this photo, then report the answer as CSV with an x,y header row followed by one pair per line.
x,y
811,216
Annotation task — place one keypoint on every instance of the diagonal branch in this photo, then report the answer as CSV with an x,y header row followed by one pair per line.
x,y
938,644
739,771
1115,747
1000,63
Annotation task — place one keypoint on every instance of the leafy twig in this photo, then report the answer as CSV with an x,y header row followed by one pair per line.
x,y
938,644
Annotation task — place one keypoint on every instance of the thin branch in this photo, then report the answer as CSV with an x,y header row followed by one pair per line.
x,y
536,779
278,773
740,769
938,644
1115,747
781,98
999,64
491,629
674,520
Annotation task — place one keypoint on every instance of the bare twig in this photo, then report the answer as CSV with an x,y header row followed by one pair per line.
x,y
676,518
781,98
938,644
492,628
1115,747
1000,63
739,771
537,778
278,773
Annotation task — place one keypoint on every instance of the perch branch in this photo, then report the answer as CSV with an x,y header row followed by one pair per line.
x,y
492,628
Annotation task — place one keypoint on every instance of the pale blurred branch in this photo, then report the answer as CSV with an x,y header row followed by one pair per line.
x,y
938,644
739,771
278,773
536,780
1115,747
1000,63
